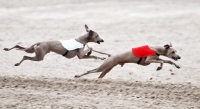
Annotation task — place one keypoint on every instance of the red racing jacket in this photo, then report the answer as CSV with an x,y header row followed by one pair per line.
x,y
143,51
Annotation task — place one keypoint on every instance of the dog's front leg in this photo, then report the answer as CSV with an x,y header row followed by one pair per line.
x,y
81,53
88,56
169,62
152,59
94,57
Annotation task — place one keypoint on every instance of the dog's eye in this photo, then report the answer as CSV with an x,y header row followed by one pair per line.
x,y
173,52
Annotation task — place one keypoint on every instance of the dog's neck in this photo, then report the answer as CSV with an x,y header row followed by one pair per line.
x,y
161,50
83,39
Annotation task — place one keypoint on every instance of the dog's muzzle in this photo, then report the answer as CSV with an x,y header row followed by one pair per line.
x,y
176,58
100,41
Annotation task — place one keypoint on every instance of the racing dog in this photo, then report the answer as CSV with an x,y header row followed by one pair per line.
x,y
143,55
67,48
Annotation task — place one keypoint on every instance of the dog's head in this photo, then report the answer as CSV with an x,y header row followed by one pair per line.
x,y
93,36
170,52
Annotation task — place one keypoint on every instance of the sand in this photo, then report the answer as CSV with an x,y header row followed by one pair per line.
x,y
50,84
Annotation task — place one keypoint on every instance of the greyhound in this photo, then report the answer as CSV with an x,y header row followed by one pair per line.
x,y
42,48
135,56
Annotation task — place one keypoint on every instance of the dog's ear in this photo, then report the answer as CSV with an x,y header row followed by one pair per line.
x,y
87,29
166,46
170,44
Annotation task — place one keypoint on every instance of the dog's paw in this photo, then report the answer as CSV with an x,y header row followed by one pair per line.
x,y
159,68
6,49
17,64
177,66
76,76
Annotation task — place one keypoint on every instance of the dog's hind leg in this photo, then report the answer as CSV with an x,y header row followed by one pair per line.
x,y
99,69
24,58
105,72
88,72
16,46
28,50
39,55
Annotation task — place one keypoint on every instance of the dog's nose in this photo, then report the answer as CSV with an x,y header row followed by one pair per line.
x,y
179,57
102,40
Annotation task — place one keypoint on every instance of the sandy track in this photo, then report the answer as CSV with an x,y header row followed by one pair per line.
x,y
83,93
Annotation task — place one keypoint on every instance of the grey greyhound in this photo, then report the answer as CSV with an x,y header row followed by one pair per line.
x,y
131,56
42,48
